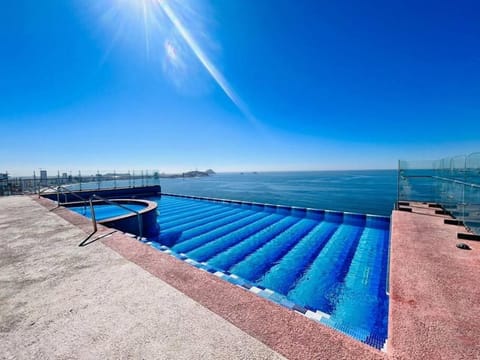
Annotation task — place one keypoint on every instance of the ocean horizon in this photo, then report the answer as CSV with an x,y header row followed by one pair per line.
x,y
361,191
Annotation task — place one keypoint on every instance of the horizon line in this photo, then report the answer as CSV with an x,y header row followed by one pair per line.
x,y
150,172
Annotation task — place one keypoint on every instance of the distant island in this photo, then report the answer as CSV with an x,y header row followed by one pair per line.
x,y
188,174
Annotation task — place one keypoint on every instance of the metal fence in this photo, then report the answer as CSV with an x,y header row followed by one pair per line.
x,y
453,183
78,180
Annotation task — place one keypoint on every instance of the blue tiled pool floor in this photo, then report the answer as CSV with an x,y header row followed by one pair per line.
x,y
330,266
107,211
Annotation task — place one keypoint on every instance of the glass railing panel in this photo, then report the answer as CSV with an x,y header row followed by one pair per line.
x,y
453,183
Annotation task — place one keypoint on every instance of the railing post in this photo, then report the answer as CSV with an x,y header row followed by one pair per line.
x,y
98,180
465,179
35,184
94,221
398,185
139,217
140,225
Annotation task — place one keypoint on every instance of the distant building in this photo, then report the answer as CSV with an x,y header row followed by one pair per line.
x,y
3,184
43,178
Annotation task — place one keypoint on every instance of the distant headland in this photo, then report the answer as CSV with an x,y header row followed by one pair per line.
x,y
188,174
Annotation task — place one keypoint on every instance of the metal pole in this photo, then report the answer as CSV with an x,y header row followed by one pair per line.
x,y
98,180
80,179
463,188
398,185
35,184
140,225
94,221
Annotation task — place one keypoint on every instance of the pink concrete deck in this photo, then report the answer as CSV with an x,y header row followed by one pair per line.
x,y
434,289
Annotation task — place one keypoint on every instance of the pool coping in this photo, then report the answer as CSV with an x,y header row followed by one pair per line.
x,y
286,331
150,205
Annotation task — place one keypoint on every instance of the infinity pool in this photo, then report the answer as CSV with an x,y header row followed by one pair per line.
x,y
331,266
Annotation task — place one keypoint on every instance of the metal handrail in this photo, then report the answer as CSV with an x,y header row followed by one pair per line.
x,y
460,182
90,202
65,190
94,196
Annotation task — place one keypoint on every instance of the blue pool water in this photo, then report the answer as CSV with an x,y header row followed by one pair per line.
x,y
331,263
106,211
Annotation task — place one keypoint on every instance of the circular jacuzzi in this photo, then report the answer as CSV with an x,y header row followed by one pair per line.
x,y
134,216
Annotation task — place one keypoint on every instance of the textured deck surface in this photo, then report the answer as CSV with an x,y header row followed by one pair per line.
x,y
434,289
62,301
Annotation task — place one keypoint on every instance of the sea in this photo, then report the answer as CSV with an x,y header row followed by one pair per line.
x,y
360,191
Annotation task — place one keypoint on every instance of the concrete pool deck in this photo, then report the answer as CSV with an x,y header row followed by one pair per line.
x,y
119,298
59,300
434,288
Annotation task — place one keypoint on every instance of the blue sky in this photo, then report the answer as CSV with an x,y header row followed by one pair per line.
x,y
236,85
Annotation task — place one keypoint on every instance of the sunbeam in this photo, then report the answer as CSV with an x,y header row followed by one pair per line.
x,y
145,25
204,60
171,31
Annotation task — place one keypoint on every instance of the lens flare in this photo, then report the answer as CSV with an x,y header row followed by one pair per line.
x,y
146,27
172,31
204,60
170,51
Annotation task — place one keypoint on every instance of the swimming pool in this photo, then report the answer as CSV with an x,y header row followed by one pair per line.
x,y
133,216
107,211
330,266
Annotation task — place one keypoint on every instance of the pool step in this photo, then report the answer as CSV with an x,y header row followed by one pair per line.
x,y
318,287
205,252
189,243
254,266
233,255
175,237
283,275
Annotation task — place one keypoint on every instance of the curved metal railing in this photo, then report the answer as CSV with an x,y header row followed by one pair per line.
x,y
64,191
111,202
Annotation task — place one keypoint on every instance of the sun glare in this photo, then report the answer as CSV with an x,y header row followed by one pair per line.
x,y
171,31
170,51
